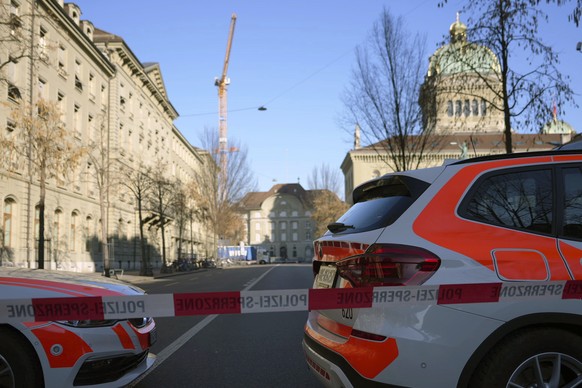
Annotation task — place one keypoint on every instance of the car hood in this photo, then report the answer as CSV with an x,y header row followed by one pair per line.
x,y
36,283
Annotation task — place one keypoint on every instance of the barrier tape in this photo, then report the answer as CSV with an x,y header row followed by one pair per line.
x,y
268,301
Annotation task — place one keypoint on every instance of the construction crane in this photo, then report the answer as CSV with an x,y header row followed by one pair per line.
x,y
222,84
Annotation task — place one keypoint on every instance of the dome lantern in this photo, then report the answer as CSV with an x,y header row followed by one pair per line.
x,y
458,31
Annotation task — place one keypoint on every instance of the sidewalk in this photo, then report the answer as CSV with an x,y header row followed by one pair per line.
x,y
133,276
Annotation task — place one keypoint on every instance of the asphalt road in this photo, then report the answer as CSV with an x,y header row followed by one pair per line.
x,y
246,350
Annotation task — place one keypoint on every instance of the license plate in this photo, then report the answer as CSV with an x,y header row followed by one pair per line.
x,y
326,276
153,336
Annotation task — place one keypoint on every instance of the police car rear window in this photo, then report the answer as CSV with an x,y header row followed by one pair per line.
x,y
380,202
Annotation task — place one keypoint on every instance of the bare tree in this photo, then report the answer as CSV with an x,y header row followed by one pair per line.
x,y
327,206
162,203
382,97
218,194
14,37
101,171
528,80
324,177
41,139
182,213
139,183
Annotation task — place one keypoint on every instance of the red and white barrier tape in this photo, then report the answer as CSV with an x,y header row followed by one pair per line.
x,y
267,301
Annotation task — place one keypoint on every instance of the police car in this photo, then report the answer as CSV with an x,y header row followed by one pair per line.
x,y
96,353
511,219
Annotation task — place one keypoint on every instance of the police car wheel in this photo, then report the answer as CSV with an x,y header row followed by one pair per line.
x,y
534,358
19,367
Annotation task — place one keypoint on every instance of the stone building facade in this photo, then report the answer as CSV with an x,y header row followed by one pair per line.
x,y
102,89
457,105
279,221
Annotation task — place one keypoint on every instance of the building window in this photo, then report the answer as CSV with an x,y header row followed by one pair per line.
x,y
42,43
450,108
475,108
10,126
57,228
36,225
61,103
42,89
103,95
294,225
7,226
88,233
78,83
15,21
295,236
77,120
92,86
483,108
62,61
458,108
467,108
91,127
14,8
11,77
73,232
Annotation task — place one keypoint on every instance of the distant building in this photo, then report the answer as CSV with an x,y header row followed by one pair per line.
x,y
463,121
279,220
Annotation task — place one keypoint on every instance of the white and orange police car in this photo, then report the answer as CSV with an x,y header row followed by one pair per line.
x,y
509,219
73,353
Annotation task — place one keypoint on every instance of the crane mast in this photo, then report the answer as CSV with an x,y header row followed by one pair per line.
x,y
222,84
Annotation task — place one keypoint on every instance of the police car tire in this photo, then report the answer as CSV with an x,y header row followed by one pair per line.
x,y
504,360
20,357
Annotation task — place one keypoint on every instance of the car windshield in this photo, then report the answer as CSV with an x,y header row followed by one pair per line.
x,y
380,202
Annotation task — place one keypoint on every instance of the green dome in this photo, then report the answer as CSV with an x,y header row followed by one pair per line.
x,y
460,56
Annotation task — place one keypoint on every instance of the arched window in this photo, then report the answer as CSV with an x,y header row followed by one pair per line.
x,y
57,228
375,174
89,233
36,225
8,223
450,108
483,108
73,231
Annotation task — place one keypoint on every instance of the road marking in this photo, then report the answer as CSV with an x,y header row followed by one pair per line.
x,y
187,336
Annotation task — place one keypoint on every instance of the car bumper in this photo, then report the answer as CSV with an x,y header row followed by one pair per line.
x,y
417,337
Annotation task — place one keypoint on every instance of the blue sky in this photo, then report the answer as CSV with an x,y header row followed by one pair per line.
x,y
294,57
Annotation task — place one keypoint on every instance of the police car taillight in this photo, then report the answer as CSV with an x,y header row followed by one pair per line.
x,y
389,265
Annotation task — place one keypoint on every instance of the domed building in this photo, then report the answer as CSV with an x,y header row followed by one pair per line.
x,y
457,100
459,87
